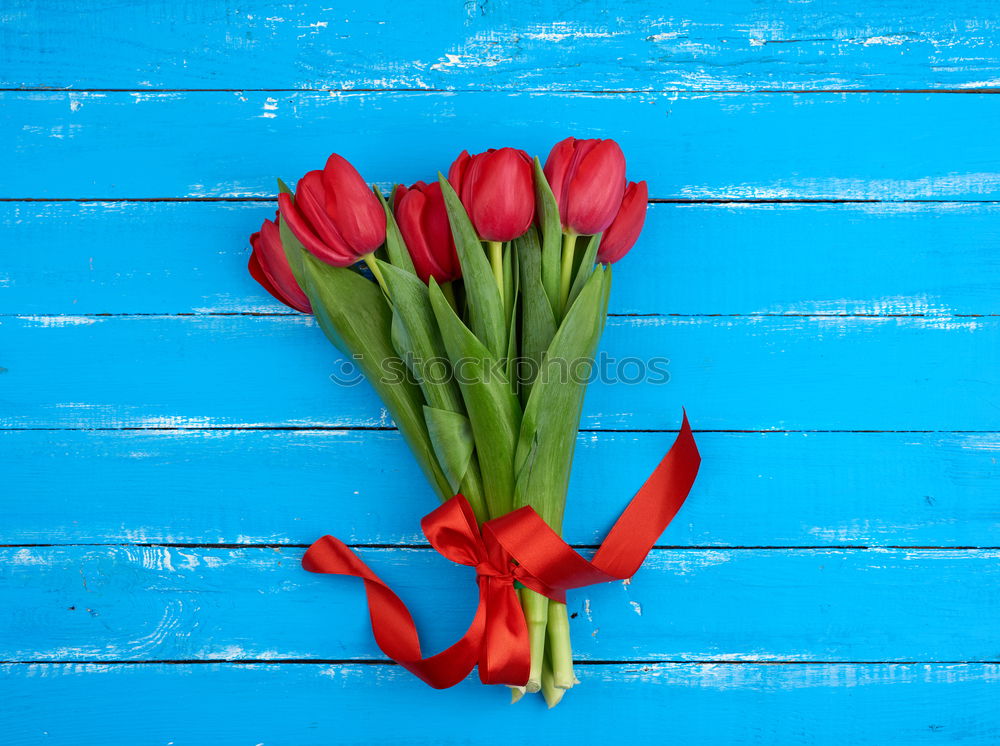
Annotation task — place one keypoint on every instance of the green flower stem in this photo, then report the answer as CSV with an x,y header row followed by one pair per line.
x,y
496,262
373,266
552,693
449,293
566,277
536,613
559,650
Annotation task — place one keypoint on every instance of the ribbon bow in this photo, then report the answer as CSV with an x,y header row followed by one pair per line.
x,y
520,547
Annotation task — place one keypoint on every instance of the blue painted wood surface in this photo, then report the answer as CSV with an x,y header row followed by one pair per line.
x,y
287,487
180,603
319,704
744,373
887,259
170,438
686,145
485,44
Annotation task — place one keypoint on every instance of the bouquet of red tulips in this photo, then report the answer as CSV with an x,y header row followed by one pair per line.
x,y
474,306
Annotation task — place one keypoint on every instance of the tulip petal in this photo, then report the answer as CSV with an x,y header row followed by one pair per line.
x,y
300,227
352,206
499,194
409,215
434,221
257,272
274,264
596,187
456,174
557,166
310,198
622,234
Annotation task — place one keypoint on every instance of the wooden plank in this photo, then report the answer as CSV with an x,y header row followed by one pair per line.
x,y
316,705
746,373
162,603
540,44
691,146
246,486
834,258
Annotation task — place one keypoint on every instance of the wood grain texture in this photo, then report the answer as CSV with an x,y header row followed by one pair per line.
x,y
746,373
537,45
690,146
305,704
189,257
762,619
773,489
163,603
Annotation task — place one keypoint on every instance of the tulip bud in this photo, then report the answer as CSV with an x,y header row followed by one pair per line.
x,y
588,180
623,232
269,266
498,190
423,220
335,214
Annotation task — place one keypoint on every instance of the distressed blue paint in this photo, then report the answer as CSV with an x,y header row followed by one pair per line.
x,y
314,705
160,603
741,372
574,64
797,489
935,258
732,146
534,44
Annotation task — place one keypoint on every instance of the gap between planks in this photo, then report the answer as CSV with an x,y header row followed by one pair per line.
x,y
270,199
369,662
513,91
387,428
422,547
283,314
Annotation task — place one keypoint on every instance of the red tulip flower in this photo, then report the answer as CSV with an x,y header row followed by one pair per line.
x,y
497,189
269,266
423,221
335,214
588,180
621,235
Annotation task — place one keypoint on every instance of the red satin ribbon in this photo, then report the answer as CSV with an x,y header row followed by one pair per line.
x,y
521,547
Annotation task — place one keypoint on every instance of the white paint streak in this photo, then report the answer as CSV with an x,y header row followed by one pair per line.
x,y
270,107
892,304
884,40
989,442
665,36
966,185
59,321
28,558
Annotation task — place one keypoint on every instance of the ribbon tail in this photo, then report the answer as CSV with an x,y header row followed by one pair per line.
x,y
550,566
505,656
392,624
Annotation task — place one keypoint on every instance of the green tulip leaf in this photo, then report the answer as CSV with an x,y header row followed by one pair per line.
x,y
451,436
493,411
395,247
547,438
512,283
353,311
484,304
538,323
584,269
551,238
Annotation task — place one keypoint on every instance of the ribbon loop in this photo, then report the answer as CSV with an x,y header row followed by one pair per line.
x,y
453,531
521,546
